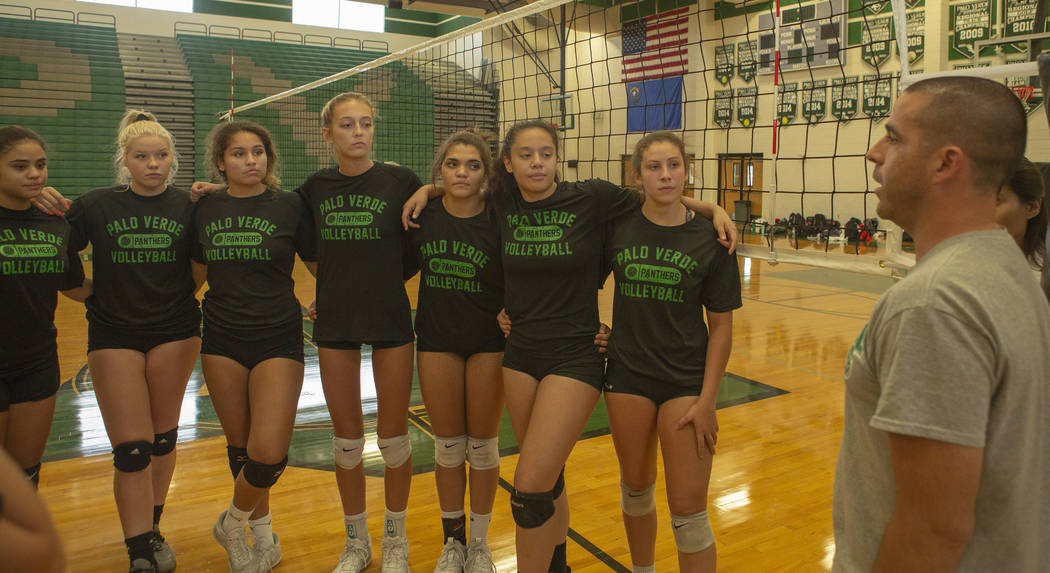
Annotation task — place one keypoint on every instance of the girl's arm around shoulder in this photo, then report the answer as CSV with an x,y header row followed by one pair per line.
x,y
724,226
416,203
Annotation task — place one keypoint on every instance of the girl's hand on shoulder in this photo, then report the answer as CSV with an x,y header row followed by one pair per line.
x,y
414,206
726,229
202,188
51,202
705,423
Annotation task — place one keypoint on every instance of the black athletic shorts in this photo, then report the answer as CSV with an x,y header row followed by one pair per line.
x,y
250,346
618,379
350,345
424,344
581,361
32,382
103,336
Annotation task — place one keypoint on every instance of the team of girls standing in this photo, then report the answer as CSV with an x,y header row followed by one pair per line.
x,y
665,365
36,262
460,346
551,245
143,324
247,235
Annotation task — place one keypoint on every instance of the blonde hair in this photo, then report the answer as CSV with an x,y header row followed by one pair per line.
x,y
329,108
137,123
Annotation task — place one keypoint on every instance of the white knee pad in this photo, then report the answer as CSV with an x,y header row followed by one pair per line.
x,y
450,452
347,452
637,502
692,533
483,453
396,450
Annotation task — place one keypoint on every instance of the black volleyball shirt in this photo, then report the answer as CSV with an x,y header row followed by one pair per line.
x,y
461,277
665,277
551,251
140,256
36,262
362,252
249,245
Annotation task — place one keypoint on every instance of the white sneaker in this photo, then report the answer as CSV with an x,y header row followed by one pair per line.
x,y
268,552
357,554
241,557
162,553
395,555
479,558
452,557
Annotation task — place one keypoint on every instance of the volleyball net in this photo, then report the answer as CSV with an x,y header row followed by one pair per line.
x,y
777,102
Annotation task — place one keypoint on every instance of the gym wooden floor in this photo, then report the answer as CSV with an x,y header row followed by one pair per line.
x,y
770,496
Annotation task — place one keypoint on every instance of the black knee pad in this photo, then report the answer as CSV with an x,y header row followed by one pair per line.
x,y
164,444
559,486
262,475
531,510
238,457
33,475
131,457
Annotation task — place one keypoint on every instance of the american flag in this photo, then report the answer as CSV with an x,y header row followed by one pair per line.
x,y
655,47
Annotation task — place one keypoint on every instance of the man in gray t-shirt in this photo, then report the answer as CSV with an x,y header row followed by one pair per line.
x,y
945,457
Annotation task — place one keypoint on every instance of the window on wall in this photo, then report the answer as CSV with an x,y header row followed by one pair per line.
x,y
169,5
350,15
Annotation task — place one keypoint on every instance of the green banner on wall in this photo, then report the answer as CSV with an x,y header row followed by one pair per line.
x,y
723,114
787,103
724,64
844,98
746,64
814,100
876,34
747,106
878,95
969,22
916,21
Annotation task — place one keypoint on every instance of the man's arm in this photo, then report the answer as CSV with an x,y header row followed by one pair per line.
x,y
933,518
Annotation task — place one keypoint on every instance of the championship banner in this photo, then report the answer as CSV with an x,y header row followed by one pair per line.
x,y
814,100
746,64
916,21
968,22
1030,94
724,64
787,103
877,34
723,108
747,106
878,92
844,98
1018,17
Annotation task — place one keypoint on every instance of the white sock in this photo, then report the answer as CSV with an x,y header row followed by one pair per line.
x,y
395,523
357,526
262,529
645,568
479,526
235,518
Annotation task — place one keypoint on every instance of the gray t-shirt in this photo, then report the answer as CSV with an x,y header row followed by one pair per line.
x,y
955,352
